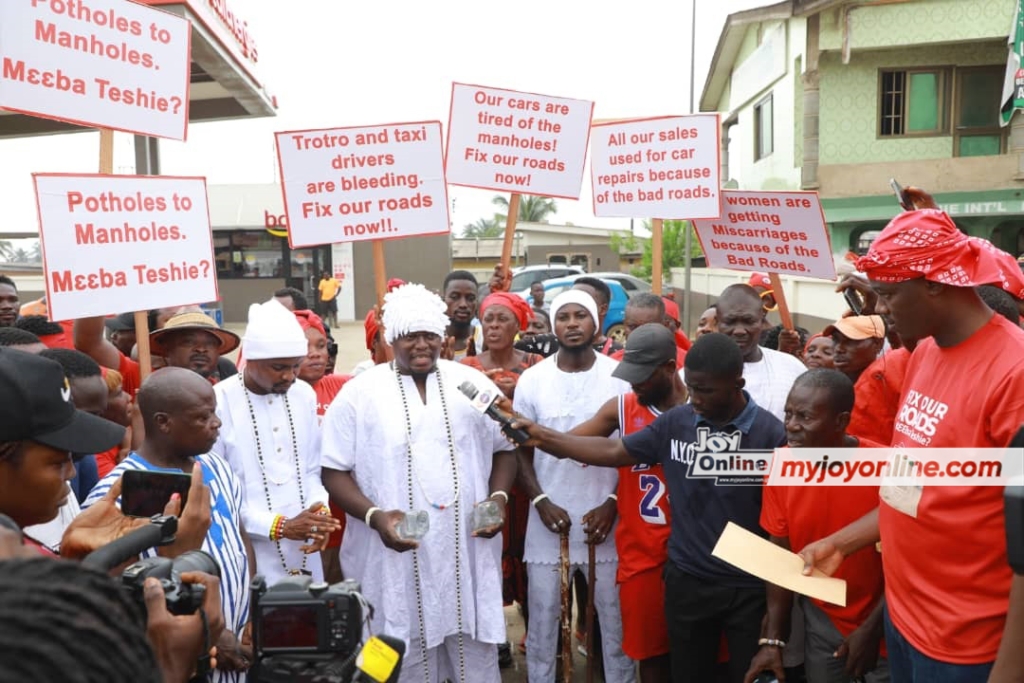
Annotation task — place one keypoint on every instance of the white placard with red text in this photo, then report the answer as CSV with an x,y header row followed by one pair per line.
x,y
116,243
368,183
100,63
512,141
664,167
774,232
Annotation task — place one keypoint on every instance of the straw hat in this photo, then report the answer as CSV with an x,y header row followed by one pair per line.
x,y
192,321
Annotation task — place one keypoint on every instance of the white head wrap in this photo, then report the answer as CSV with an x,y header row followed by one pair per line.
x,y
413,308
574,296
273,332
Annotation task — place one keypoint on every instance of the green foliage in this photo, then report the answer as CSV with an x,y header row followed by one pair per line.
x,y
531,209
673,247
484,228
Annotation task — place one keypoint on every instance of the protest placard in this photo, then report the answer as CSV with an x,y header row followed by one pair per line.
x,y
110,242
777,232
109,64
517,142
666,167
368,183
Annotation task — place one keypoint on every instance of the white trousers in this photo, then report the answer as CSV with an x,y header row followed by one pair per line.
x,y
479,662
545,599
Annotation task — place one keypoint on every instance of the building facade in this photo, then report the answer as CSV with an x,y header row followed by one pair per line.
x,y
840,97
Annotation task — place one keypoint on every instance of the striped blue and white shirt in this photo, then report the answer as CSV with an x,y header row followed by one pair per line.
x,y
223,541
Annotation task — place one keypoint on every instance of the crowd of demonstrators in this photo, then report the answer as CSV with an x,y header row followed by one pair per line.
x,y
43,596
299,470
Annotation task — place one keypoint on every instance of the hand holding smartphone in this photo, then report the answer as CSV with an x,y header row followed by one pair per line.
x,y
145,493
901,196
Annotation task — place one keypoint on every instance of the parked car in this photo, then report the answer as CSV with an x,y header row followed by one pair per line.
x,y
525,276
631,284
613,320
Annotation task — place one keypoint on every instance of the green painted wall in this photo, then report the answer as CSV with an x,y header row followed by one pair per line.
x,y
928,21
849,102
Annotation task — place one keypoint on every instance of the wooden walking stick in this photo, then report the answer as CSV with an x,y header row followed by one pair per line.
x,y
566,609
591,562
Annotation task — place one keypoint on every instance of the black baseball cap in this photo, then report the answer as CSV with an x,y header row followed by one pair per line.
x,y
35,405
120,323
647,347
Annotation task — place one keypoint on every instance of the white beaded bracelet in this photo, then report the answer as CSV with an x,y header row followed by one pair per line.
x,y
499,493
369,514
772,641
538,499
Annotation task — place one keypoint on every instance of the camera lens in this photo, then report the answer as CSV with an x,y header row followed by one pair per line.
x,y
196,561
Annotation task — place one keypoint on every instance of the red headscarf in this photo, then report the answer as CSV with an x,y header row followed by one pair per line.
x,y
926,243
515,303
372,329
308,319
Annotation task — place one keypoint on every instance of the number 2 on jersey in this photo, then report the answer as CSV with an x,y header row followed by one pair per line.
x,y
653,489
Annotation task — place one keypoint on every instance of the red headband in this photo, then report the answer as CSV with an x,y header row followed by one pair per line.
x,y
926,243
515,303
308,319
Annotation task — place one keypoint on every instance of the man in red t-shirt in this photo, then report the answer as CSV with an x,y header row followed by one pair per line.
x,y
817,413
641,537
947,580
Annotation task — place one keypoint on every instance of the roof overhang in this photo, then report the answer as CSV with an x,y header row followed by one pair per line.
x,y
729,44
224,83
731,40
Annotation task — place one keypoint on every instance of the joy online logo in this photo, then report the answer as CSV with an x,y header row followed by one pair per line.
x,y
718,455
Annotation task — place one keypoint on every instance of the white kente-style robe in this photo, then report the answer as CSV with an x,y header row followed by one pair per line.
x,y
365,433
237,445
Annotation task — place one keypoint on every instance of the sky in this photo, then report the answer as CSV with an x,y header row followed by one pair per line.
x,y
334,63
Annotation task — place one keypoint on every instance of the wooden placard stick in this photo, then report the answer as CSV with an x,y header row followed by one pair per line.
x,y
141,317
380,283
510,231
591,583
565,566
780,300
657,226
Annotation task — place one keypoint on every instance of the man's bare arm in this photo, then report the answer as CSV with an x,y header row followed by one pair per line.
x,y
503,471
345,493
604,422
89,340
591,450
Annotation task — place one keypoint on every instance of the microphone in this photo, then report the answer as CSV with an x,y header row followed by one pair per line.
x,y
483,402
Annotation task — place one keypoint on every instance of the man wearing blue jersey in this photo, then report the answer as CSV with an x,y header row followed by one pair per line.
x,y
178,410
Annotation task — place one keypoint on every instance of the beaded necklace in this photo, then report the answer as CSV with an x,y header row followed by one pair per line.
x,y
263,469
410,469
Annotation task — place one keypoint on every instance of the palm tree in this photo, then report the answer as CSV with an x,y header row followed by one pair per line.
x,y
20,256
6,250
35,254
531,209
484,228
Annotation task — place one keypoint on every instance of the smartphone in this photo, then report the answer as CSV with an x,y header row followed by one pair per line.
x,y
901,196
854,301
144,494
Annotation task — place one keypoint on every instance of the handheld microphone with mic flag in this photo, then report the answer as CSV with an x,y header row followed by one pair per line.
x,y
484,402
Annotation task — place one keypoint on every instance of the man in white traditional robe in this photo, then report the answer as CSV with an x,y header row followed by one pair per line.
x,y
561,392
401,437
270,437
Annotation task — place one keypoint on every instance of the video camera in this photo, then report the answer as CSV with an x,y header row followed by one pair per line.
x,y
306,631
